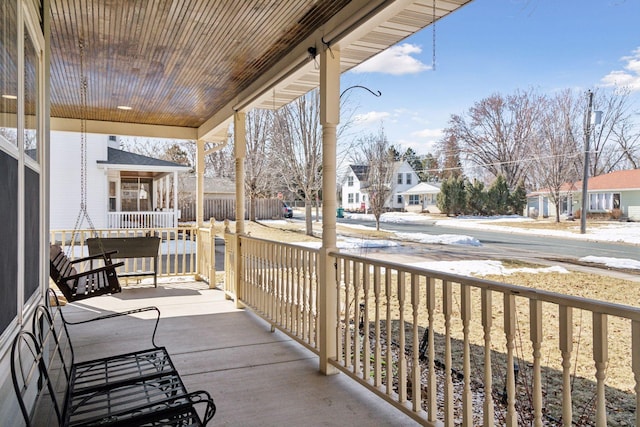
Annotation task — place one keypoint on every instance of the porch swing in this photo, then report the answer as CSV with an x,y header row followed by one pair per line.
x,y
77,285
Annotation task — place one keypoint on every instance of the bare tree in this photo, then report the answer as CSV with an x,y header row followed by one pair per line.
x,y
556,150
260,177
449,152
496,133
610,140
298,144
628,138
379,157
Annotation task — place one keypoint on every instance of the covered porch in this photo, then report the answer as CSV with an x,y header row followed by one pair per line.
x,y
256,377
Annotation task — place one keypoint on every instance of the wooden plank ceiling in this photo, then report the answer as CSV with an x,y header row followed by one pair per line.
x,y
181,62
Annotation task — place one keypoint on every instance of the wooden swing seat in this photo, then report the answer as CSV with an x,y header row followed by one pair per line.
x,y
76,285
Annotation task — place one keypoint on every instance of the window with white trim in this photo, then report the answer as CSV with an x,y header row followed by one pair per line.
x,y
414,199
408,180
350,181
350,198
399,178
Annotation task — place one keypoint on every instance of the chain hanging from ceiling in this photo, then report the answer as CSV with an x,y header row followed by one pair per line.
x,y
83,214
433,30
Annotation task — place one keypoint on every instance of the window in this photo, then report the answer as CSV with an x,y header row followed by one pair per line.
x,y
350,181
112,196
408,178
357,197
135,194
604,201
414,199
399,199
9,73
30,97
350,198
399,178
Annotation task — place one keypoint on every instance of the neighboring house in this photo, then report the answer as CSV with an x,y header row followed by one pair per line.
x,y
422,197
124,190
353,192
615,190
353,198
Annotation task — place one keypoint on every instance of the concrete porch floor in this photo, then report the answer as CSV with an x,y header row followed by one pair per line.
x,y
256,377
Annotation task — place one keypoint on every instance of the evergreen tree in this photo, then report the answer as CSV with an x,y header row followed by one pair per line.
x,y
498,196
476,198
452,198
518,199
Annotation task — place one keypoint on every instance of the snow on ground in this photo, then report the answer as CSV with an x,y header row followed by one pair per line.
x,y
613,262
440,239
482,268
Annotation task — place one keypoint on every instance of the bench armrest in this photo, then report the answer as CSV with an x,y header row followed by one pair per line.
x,y
56,302
92,257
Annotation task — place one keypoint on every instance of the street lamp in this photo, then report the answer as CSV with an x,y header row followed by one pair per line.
x,y
585,177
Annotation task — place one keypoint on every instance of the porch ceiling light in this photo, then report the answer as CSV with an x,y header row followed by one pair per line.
x,y
124,107
6,96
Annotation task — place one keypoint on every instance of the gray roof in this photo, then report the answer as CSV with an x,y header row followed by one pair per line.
x,y
360,171
120,157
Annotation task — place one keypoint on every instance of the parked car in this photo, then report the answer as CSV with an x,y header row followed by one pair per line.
x,y
287,212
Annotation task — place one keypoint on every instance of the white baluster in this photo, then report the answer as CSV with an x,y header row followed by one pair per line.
x,y
416,378
535,325
487,320
448,381
600,357
566,347
467,398
509,331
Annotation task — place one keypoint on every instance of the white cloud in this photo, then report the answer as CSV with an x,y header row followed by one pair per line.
x,y
430,134
629,77
396,60
371,117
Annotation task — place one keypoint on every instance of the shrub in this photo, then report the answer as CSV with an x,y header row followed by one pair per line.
x,y
616,214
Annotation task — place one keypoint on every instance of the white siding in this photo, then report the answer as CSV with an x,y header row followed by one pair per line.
x,y
401,168
65,180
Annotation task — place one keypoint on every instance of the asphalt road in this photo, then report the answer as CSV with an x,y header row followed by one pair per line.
x,y
517,245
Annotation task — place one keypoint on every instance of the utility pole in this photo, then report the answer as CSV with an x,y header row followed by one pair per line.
x,y
585,177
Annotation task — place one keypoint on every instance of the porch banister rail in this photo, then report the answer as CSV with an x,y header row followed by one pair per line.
x,y
546,354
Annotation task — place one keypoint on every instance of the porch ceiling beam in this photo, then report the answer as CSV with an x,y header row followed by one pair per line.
x,y
121,128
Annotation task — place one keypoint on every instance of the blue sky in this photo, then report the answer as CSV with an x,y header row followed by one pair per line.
x,y
496,46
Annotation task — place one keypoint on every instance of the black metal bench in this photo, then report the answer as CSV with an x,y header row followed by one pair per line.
x,y
134,389
127,248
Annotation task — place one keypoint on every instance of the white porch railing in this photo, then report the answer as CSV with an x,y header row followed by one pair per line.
x,y
177,253
453,350
142,219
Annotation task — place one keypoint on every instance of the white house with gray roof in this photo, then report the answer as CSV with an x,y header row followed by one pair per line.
x,y
354,195
124,190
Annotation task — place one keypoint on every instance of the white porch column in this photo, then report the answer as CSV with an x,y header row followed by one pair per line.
x,y
199,182
239,149
175,198
329,117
